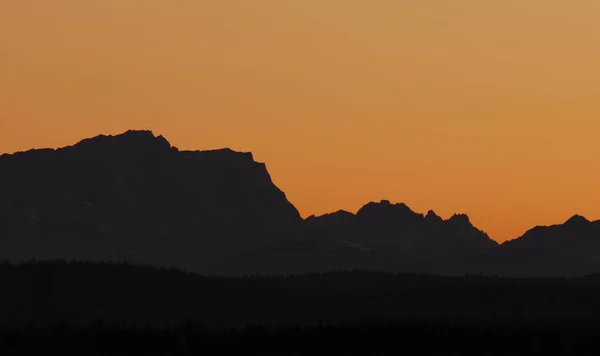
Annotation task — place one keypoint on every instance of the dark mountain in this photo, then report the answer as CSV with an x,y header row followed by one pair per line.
x,y
569,249
136,198
381,237
133,197
398,239
398,230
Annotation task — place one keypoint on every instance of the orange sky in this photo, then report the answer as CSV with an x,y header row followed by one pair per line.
x,y
488,108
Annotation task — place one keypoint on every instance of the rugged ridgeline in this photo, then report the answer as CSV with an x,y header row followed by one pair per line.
x,y
133,197
569,249
382,237
395,232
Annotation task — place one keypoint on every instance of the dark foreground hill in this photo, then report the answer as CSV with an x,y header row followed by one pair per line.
x,y
91,308
81,293
135,198
403,338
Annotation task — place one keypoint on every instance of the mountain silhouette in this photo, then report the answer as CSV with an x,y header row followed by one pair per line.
x,y
569,249
565,250
403,239
134,197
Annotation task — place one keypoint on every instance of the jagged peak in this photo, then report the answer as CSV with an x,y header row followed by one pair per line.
x,y
384,204
431,215
128,140
576,220
387,211
127,135
540,233
137,133
147,140
460,218
340,214
226,153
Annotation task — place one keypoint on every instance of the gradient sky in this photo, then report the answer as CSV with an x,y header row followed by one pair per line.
x,y
489,108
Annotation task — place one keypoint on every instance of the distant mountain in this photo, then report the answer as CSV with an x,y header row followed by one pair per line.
x,y
133,197
569,249
396,229
395,238
380,237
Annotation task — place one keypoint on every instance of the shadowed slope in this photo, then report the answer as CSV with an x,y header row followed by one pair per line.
x,y
135,197
569,249
396,229
381,236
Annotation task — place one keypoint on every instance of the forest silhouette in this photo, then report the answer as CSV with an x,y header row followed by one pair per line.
x,y
105,306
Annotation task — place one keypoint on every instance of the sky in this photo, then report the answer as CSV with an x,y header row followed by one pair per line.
x,y
488,108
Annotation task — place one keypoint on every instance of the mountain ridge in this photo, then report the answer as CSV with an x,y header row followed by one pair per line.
x,y
129,194
150,136
135,197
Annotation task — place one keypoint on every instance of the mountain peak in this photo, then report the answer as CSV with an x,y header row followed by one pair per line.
x,y
139,136
384,208
138,133
136,189
576,220
460,218
432,216
130,143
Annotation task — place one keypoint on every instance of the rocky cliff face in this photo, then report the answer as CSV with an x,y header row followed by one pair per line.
x,y
134,197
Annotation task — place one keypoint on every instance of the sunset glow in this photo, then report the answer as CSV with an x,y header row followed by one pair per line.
x,y
489,108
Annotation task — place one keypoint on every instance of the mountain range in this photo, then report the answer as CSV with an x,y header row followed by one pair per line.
x,y
134,197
